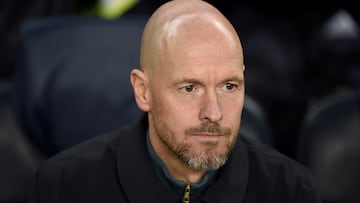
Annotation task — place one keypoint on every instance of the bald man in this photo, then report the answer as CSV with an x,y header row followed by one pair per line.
x,y
186,148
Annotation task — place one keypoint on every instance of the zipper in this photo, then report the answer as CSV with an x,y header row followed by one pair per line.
x,y
186,197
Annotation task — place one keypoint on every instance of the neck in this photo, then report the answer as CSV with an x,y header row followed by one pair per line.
x,y
180,171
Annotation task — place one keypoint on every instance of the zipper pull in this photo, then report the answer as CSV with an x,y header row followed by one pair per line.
x,y
186,198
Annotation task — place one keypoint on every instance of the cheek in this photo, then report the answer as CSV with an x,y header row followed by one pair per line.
x,y
176,115
232,110
168,104
162,108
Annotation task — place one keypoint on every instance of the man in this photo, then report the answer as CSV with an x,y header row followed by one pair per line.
x,y
187,149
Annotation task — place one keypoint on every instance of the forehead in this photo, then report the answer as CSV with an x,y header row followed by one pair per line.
x,y
200,39
197,24
198,28
203,63
193,43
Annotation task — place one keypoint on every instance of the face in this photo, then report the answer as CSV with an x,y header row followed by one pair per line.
x,y
197,95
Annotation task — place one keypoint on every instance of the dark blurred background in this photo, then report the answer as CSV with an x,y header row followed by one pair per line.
x,y
295,52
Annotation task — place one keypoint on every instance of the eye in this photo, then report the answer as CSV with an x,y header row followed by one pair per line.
x,y
188,88
230,86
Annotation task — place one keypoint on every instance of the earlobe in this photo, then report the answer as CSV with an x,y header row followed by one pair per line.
x,y
141,90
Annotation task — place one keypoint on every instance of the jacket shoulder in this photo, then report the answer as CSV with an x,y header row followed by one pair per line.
x,y
84,172
281,177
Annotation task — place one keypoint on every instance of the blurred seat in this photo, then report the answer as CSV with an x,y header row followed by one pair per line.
x,y
273,54
19,157
329,144
72,81
332,52
255,123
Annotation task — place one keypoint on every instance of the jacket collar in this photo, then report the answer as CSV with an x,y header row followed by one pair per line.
x,y
136,172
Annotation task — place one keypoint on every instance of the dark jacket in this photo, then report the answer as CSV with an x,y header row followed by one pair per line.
x,y
117,168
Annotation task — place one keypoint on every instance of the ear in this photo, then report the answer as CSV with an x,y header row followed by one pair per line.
x,y
141,89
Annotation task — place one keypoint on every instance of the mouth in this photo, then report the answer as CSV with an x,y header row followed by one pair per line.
x,y
206,136
208,130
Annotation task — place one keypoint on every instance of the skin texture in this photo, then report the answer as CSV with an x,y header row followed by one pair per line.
x,y
191,83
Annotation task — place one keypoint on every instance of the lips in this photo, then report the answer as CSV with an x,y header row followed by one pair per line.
x,y
208,129
205,134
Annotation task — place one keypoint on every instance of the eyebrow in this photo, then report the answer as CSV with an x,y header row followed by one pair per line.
x,y
240,80
188,80
235,78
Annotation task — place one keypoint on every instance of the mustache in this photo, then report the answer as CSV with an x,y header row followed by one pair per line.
x,y
213,128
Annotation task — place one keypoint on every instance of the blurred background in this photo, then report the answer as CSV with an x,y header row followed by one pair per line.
x,y
302,58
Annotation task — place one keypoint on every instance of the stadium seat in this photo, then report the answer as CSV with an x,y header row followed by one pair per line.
x,y
329,144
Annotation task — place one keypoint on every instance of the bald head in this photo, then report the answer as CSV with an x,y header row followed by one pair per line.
x,y
178,25
192,76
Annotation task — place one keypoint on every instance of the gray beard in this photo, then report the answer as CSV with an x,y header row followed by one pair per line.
x,y
208,159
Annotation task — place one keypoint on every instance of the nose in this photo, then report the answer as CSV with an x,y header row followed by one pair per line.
x,y
210,110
